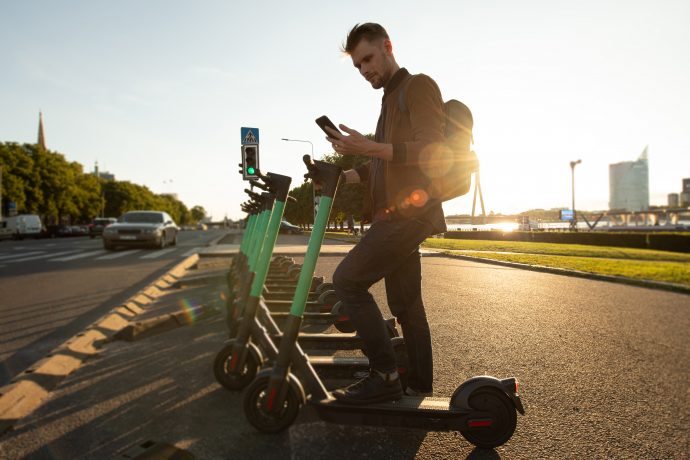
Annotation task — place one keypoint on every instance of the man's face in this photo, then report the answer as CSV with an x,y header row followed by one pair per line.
x,y
371,59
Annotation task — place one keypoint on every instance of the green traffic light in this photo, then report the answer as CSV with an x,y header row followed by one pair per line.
x,y
250,170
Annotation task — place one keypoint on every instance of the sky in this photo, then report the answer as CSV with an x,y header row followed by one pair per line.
x,y
156,91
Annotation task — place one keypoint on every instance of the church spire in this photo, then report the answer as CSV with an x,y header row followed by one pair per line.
x,y
41,134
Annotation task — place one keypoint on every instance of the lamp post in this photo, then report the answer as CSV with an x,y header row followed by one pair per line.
x,y
313,193
573,223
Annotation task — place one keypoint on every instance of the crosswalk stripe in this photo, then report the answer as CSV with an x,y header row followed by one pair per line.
x,y
77,256
117,255
42,256
158,253
26,254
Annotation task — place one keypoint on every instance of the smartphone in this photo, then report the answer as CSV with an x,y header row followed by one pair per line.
x,y
324,121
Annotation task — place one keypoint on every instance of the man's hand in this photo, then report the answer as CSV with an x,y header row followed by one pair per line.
x,y
354,143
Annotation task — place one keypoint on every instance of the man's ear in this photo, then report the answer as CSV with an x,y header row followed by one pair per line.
x,y
388,45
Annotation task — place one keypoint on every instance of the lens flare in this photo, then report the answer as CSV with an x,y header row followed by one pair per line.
x,y
190,311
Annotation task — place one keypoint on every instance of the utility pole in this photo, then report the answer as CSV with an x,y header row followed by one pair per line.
x,y
313,192
573,222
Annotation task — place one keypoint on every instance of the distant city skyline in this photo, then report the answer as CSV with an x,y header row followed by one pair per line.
x,y
547,82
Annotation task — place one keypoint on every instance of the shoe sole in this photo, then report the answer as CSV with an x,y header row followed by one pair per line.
x,y
377,399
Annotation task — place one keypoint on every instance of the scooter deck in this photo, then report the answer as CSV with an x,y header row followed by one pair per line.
x,y
408,412
308,318
286,305
325,341
339,367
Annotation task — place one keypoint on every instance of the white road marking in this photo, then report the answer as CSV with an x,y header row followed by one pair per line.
x,y
190,252
43,256
158,253
78,256
117,255
26,254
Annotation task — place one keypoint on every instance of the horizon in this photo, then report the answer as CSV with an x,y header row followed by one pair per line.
x,y
547,84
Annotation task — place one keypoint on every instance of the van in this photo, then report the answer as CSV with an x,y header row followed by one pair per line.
x,y
24,225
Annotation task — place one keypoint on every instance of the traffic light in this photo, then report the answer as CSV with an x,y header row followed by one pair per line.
x,y
250,162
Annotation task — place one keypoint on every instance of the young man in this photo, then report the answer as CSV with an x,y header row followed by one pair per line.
x,y
408,136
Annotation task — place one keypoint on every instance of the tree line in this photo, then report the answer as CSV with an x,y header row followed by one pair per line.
x,y
43,182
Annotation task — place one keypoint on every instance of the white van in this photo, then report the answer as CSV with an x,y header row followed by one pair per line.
x,y
23,225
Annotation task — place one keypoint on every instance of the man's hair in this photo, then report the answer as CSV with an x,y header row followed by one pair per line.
x,y
369,31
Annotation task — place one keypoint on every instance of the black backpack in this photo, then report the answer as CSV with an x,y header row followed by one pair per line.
x,y
454,168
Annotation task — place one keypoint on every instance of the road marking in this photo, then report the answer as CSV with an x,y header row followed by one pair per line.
x,y
43,256
190,252
78,256
158,253
26,254
117,255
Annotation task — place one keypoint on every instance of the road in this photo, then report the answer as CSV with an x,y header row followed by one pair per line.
x,y
51,289
603,369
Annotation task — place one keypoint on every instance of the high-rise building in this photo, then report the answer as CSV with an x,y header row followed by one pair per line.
x,y
685,194
673,201
629,184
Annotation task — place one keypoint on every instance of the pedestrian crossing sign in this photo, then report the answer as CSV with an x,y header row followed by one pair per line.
x,y
249,136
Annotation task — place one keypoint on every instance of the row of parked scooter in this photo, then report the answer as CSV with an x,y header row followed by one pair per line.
x,y
281,368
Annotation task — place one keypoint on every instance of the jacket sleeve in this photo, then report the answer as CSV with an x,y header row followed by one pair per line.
x,y
427,120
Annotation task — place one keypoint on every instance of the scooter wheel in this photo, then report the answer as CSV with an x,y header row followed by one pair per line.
x,y
342,322
268,422
234,381
327,300
504,421
323,287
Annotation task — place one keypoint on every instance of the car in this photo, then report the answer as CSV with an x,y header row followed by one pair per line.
x,y
98,224
288,228
57,230
141,228
24,225
201,226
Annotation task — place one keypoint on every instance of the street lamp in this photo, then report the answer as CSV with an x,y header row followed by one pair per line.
x,y
313,193
573,222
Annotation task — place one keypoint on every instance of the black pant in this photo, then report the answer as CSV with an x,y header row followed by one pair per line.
x,y
390,250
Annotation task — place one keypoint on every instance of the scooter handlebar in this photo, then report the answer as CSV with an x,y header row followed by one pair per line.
x,y
326,174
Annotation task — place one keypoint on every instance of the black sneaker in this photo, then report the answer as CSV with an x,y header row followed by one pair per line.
x,y
373,388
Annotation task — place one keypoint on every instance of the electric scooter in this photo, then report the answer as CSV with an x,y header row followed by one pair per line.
x,y
483,408
238,361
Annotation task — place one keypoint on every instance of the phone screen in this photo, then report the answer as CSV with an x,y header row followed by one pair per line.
x,y
324,121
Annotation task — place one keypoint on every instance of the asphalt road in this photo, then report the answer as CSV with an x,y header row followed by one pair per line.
x,y
51,289
603,369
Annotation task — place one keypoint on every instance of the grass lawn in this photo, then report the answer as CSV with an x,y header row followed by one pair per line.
x,y
670,267
644,264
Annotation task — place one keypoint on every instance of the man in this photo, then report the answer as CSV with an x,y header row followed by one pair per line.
x,y
408,136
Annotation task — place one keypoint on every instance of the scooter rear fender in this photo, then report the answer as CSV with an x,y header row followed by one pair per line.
x,y
461,395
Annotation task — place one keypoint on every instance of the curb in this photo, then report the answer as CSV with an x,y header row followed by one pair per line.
x,y
679,288
27,391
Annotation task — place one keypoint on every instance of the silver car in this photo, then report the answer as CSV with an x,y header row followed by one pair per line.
x,y
141,228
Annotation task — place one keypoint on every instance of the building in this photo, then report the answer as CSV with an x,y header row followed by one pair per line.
x,y
673,200
685,194
103,174
629,184
41,134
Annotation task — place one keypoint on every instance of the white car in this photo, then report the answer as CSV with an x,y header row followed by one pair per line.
x,y
23,225
141,228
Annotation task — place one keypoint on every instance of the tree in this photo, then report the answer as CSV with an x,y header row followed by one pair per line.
x,y
197,213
